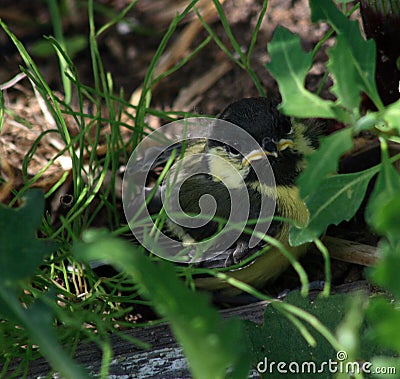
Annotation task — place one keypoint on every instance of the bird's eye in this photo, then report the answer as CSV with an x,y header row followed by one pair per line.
x,y
231,150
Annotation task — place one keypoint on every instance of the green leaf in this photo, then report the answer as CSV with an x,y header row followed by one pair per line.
x,y
38,319
345,88
325,160
366,122
385,320
211,345
384,201
361,54
391,367
336,199
20,251
386,216
348,331
269,342
386,272
290,65
391,115
383,213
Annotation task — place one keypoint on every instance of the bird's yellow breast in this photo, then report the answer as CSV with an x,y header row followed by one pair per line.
x,y
272,263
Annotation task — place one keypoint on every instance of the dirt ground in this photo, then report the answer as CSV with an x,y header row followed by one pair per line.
x,y
127,55
205,85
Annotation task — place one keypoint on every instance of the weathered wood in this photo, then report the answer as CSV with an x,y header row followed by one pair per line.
x,y
350,251
165,359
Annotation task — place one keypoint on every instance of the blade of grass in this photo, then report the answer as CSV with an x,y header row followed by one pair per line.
x,y
147,82
116,18
228,30
180,64
48,96
2,107
58,32
38,322
256,31
284,308
327,264
243,62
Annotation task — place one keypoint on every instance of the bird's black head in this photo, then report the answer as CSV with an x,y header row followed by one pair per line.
x,y
284,140
259,117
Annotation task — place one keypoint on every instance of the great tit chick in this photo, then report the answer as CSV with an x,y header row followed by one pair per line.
x,y
286,142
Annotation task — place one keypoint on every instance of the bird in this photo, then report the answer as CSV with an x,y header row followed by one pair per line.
x,y
226,167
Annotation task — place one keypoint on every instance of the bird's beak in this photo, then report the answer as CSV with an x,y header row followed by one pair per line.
x,y
259,154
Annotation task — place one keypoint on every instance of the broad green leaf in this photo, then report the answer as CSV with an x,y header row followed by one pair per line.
x,y
361,53
348,331
269,342
385,367
386,216
325,160
290,65
38,320
386,272
391,115
211,345
385,320
384,198
345,88
21,251
336,199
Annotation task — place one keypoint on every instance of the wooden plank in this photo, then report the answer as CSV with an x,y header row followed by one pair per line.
x,y
350,251
164,360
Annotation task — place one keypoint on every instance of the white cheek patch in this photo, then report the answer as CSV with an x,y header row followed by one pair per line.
x,y
254,156
283,144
